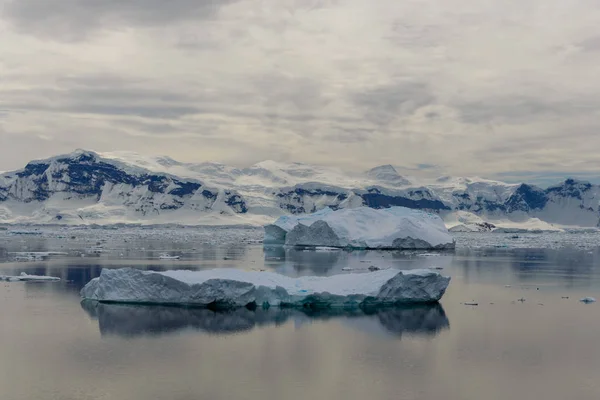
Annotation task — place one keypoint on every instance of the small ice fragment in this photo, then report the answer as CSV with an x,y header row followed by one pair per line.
x,y
347,269
507,285
23,277
588,300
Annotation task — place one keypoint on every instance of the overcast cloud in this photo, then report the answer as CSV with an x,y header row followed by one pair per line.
x,y
505,88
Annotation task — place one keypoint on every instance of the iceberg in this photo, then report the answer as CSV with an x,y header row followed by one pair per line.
x,y
28,278
231,288
363,227
135,320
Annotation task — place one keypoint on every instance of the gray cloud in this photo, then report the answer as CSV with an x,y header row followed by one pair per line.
x,y
108,100
300,93
520,109
590,44
75,19
381,105
354,83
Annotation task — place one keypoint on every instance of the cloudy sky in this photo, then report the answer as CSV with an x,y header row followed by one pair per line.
x,y
498,88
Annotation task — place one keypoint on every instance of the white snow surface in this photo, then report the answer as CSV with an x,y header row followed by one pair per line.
x,y
370,228
342,285
239,288
464,221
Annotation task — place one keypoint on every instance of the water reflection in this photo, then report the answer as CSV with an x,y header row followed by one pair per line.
x,y
571,267
299,261
133,320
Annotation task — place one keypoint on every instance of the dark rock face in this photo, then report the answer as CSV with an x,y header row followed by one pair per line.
x,y
236,202
421,199
377,200
526,198
570,188
486,227
299,200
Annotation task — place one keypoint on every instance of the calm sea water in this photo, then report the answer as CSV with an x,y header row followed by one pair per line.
x,y
545,347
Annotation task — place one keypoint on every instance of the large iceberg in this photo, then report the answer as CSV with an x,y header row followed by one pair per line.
x,y
230,288
363,227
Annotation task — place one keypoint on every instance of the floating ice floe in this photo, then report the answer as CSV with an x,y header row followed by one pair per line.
x,y
28,278
230,288
588,300
35,255
363,227
166,256
39,253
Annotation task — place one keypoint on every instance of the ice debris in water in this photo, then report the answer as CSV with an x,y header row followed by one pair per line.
x,y
35,255
588,300
230,288
363,227
28,278
167,256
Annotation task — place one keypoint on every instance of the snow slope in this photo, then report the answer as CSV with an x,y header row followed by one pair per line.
x,y
84,187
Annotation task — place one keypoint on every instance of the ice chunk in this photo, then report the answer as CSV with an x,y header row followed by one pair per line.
x,y
230,288
390,228
166,256
35,255
588,300
28,278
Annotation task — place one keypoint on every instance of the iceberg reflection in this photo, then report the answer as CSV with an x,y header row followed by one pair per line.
x,y
133,320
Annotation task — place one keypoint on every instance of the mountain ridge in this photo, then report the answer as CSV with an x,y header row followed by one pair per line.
x,y
85,187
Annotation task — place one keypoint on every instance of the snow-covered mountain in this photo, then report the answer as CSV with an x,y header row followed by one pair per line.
x,y
123,187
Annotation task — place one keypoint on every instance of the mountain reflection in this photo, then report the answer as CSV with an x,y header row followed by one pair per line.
x,y
133,321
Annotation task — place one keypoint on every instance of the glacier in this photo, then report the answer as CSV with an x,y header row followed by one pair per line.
x,y
231,288
87,188
363,227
